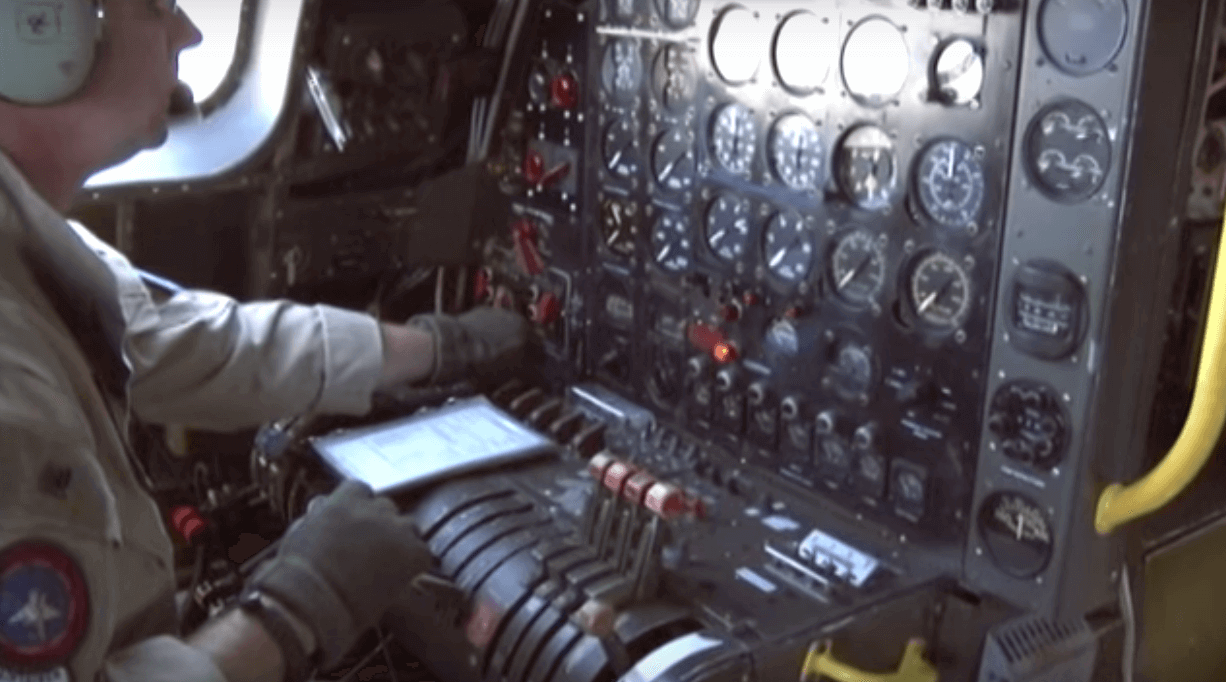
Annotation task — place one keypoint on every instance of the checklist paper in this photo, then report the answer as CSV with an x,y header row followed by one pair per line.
x,y
459,437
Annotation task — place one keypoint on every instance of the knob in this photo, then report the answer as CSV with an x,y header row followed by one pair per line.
x,y
564,91
790,407
826,422
865,437
697,366
757,393
726,379
534,166
546,309
527,253
482,281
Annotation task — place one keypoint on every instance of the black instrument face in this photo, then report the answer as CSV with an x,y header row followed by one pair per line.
x,y
621,71
788,247
868,167
1068,151
671,242
734,138
857,267
795,149
674,77
1017,534
728,228
950,183
672,161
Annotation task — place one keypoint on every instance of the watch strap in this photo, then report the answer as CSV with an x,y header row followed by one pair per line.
x,y
276,623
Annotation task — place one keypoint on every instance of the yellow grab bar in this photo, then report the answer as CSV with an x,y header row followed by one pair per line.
x,y
821,663
1120,503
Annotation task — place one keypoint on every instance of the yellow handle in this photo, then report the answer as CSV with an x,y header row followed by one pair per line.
x,y
1120,503
821,663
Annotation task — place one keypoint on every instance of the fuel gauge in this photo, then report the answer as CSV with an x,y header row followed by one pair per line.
x,y
1017,534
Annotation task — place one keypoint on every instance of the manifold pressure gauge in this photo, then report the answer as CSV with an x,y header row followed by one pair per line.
x,y
857,267
939,290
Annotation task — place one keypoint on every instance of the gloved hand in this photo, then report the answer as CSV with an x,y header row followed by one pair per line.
x,y
482,341
342,564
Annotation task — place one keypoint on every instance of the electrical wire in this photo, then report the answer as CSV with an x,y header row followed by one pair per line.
x,y
1129,656
1121,503
439,281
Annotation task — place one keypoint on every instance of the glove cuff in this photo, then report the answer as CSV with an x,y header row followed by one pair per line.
x,y
307,595
448,338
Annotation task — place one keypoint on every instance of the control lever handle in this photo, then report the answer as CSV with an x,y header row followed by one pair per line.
x,y
821,663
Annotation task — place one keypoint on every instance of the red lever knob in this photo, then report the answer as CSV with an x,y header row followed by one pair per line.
x,y
527,254
482,289
665,501
547,309
564,91
534,166
187,522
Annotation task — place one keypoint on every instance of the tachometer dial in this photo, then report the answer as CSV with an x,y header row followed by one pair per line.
x,y
619,226
728,227
672,161
671,244
788,247
675,77
867,169
950,183
1017,534
734,138
621,72
940,291
677,13
620,148
795,149
857,267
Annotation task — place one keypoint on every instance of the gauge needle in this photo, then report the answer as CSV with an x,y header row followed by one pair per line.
x,y
668,170
613,238
618,156
778,257
718,237
664,252
851,274
932,298
1021,525
951,163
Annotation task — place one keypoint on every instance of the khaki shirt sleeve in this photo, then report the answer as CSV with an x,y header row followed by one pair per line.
x,y
204,360
43,429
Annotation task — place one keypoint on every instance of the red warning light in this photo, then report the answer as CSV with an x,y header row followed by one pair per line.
x,y
723,352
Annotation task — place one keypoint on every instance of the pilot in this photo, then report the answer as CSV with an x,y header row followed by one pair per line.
x,y
87,576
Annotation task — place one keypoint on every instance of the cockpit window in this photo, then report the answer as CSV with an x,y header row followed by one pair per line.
x,y
204,66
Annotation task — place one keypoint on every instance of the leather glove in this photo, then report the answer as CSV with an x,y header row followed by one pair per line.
x,y
480,342
342,564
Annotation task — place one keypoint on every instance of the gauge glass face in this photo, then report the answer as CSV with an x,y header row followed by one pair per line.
x,y
805,48
1017,534
910,486
867,168
675,78
958,73
619,225
677,13
951,183
622,10
735,45
728,228
875,62
1082,37
671,245
621,73
852,371
788,247
672,161
795,149
620,149
734,138
857,267
940,291
618,305
1068,151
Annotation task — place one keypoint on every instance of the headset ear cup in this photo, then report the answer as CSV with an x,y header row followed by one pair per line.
x,y
55,44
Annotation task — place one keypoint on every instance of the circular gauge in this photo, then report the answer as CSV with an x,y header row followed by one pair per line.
x,y
805,48
867,169
620,149
940,290
619,226
1068,151
617,303
728,227
623,10
670,242
1017,534
677,13
857,267
675,77
835,462
958,72
672,161
950,183
851,372
538,85
621,72
795,149
1030,423
735,44
875,62
734,137
788,247
1082,36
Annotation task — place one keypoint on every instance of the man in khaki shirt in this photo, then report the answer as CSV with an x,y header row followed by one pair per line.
x,y
86,566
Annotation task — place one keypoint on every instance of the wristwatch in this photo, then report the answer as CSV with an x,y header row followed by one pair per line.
x,y
276,621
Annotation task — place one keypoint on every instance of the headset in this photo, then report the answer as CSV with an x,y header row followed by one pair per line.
x,y
47,48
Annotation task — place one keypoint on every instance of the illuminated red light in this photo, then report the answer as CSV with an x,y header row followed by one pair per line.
x,y
723,352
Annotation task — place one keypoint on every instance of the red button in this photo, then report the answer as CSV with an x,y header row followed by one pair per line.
x,y
564,91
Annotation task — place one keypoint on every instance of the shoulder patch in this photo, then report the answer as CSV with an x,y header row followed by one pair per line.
x,y
44,605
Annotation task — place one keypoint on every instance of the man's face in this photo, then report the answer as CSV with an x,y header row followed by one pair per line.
x,y
136,72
